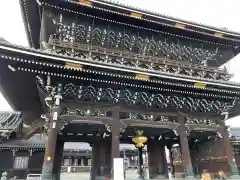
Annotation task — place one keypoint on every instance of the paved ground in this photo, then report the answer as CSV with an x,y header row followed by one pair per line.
x,y
74,176
130,175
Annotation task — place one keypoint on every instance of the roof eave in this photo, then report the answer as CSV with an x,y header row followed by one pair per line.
x,y
31,23
24,18
63,58
9,101
169,18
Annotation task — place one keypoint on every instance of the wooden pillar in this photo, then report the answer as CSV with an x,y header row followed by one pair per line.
x,y
108,158
187,163
152,167
47,169
92,170
194,160
70,158
98,168
161,160
75,161
58,159
115,136
156,159
229,153
95,160
102,158
94,164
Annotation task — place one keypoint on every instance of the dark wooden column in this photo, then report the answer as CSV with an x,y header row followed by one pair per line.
x,y
102,158
98,169
156,159
115,136
229,152
108,158
47,169
161,160
93,164
95,160
58,159
152,167
195,162
187,163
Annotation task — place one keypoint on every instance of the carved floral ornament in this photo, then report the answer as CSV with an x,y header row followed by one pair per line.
x,y
105,113
202,121
42,73
149,46
84,112
152,118
212,158
138,16
75,34
161,120
129,97
144,63
79,40
200,125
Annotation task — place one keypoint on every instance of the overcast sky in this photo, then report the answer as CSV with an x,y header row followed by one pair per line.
x,y
220,13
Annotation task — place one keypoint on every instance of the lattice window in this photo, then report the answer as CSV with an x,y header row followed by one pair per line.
x,y
21,162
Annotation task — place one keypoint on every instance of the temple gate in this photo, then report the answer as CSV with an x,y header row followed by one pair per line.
x,y
101,72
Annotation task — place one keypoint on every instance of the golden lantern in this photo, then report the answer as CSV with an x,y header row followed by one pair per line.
x,y
139,140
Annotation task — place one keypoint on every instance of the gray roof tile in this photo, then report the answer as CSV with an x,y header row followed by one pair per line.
x,y
37,141
235,132
9,122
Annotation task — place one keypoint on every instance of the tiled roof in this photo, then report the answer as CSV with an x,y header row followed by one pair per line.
x,y
9,122
76,146
3,40
235,132
86,146
5,45
32,20
37,141
160,15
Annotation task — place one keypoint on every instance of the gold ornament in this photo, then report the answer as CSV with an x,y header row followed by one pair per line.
x,y
139,140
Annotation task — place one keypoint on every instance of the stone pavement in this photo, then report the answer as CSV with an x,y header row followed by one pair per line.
x,y
130,175
74,176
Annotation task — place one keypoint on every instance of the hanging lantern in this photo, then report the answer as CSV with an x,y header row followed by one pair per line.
x,y
139,140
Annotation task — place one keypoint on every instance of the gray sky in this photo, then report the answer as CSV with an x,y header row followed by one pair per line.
x,y
220,13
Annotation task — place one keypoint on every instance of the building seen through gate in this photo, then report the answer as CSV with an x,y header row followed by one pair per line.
x,y
105,73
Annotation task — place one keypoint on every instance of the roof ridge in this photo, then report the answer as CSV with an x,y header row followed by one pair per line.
x,y
3,40
117,2
11,112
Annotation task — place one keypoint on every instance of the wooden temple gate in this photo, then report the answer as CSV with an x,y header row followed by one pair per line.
x,y
101,71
